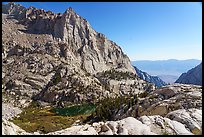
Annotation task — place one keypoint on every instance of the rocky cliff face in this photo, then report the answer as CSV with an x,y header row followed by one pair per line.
x,y
193,76
152,79
59,57
93,51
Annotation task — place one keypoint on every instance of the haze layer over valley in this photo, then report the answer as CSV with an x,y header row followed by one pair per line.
x,y
168,70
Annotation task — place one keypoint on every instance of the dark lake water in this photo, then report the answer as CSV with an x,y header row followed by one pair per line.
x,y
75,110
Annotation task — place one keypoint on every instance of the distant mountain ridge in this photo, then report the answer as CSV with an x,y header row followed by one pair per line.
x,y
152,79
169,70
193,76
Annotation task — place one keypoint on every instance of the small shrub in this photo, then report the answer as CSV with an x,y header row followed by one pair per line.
x,y
143,95
9,84
165,132
57,78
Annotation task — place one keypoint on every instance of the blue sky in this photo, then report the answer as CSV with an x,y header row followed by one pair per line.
x,y
144,30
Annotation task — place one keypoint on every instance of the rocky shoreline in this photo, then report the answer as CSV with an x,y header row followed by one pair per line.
x,y
179,122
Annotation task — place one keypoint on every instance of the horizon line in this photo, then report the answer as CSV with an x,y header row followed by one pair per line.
x,y
164,59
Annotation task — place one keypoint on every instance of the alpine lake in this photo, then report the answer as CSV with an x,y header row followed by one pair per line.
x,y
50,119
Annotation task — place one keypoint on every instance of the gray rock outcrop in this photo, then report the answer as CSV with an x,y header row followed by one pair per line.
x,y
191,118
172,97
164,100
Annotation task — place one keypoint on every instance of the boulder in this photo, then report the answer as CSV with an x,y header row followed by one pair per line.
x,y
191,118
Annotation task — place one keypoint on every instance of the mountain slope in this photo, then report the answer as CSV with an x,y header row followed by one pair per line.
x,y
152,79
59,57
193,76
92,50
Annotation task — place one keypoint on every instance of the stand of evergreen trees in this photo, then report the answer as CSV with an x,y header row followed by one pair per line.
x,y
108,108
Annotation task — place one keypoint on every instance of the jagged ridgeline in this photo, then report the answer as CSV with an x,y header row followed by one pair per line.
x,y
59,57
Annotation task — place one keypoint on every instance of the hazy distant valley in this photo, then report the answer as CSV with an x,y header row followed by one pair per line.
x,y
168,70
